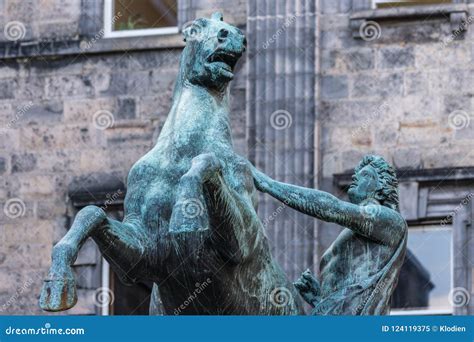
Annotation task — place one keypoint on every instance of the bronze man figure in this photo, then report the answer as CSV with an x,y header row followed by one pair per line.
x,y
359,271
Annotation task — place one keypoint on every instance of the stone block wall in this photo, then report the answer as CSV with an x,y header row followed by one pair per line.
x,y
57,106
406,95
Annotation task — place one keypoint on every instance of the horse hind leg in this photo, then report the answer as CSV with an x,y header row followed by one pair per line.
x,y
122,244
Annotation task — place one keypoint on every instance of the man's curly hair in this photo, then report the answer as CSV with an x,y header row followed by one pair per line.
x,y
387,192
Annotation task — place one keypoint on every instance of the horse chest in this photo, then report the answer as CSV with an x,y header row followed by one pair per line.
x,y
158,174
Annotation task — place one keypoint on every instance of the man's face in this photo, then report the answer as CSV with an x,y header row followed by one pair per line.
x,y
364,185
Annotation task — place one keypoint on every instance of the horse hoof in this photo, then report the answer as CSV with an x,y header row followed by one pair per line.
x,y
58,295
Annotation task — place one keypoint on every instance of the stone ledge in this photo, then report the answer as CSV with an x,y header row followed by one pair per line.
x,y
457,14
87,45
96,189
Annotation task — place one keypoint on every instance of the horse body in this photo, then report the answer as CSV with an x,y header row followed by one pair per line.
x,y
190,223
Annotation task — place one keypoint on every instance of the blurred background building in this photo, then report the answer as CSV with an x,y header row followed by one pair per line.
x,y
85,87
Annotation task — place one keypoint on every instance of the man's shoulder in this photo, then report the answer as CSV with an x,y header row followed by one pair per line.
x,y
396,217
395,223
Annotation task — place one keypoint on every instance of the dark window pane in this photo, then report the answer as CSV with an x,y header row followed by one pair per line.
x,y
144,14
130,300
425,278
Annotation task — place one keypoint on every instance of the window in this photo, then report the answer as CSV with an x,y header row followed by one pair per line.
x,y
425,281
131,18
391,3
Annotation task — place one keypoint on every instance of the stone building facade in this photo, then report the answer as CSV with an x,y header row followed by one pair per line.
x,y
323,83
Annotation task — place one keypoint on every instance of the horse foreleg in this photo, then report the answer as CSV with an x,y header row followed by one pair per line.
x,y
122,244
190,210
229,213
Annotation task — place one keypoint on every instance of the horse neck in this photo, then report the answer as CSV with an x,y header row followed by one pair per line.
x,y
198,109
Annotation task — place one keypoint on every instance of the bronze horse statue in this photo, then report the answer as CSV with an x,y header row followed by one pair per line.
x,y
190,209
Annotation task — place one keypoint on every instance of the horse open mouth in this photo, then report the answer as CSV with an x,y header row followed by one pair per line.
x,y
224,59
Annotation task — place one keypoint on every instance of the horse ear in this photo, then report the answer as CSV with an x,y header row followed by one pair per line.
x,y
217,16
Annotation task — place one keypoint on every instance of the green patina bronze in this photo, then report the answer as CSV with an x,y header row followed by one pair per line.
x,y
359,271
191,226
190,223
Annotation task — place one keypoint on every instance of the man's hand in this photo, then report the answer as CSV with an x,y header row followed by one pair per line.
x,y
308,287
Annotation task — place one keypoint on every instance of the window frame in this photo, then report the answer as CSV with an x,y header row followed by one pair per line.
x,y
373,3
105,274
363,12
431,312
110,33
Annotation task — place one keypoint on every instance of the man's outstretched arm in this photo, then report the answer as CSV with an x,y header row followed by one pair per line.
x,y
363,220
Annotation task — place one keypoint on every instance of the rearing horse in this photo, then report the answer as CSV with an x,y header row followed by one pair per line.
x,y
190,210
